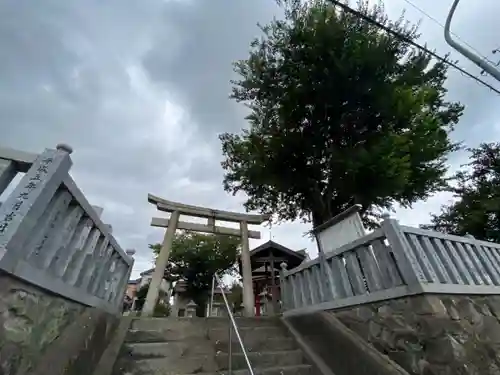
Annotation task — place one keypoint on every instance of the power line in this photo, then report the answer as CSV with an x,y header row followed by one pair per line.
x,y
411,42
486,66
442,26
480,54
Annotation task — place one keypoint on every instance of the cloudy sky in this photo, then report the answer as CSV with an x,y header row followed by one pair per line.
x,y
140,90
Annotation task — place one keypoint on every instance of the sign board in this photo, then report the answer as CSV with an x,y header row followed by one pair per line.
x,y
340,230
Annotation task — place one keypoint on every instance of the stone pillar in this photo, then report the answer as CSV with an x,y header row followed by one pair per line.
x,y
248,296
191,309
7,173
258,307
264,303
274,289
283,287
161,263
21,211
98,210
130,253
270,311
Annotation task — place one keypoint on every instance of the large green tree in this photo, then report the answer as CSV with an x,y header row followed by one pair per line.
x,y
341,113
476,210
195,258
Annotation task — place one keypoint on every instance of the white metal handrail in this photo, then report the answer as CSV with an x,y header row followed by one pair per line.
x,y
233,325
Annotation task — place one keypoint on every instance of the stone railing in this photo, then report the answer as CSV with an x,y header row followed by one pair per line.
x,y
51,237
391,262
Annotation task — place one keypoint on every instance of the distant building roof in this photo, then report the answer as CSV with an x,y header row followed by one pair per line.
x,y
293,258
147,272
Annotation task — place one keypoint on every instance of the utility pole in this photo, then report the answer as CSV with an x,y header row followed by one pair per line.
x,y
487,67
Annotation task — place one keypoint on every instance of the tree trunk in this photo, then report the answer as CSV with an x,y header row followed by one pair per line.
x,y
201,305
201,310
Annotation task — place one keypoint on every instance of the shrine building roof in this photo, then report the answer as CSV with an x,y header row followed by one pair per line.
x,y
278,253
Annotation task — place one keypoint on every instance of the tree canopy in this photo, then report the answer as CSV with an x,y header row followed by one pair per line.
x,y
341,113
476,210
161,309
195,258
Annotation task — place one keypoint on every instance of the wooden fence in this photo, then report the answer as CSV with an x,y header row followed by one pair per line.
x,y
391,262
51,236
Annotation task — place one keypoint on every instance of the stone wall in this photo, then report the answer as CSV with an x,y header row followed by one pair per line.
x,y
39,330
433,335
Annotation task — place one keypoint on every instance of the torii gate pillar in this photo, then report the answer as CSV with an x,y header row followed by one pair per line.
x,y
248,297
161,264
173,223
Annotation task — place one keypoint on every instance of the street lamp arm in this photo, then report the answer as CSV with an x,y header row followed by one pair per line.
x,y
464,51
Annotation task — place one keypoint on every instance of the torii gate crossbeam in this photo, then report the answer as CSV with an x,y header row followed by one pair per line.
x,y
173,223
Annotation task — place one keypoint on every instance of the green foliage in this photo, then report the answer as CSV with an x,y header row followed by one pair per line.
x,y
236,296
477,208
140,296
160,309
341,114
196,257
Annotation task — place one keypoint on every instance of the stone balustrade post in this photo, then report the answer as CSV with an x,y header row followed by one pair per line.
x,y
406,260
489,273
21,211
99,210
121,294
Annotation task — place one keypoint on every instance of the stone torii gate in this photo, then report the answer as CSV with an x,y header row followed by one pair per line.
x,y
172,224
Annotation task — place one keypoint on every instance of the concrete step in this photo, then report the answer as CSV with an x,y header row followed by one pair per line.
x,y
216,322
143,336
166,366
247,334
171,349
283,370
143,369
159,324
258,345
260,359
243,322
267,364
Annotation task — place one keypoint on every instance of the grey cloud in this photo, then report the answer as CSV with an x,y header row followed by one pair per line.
x,y
477,26
72,73
209,36
140,90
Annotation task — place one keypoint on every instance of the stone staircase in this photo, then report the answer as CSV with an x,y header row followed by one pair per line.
x,y
183,346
